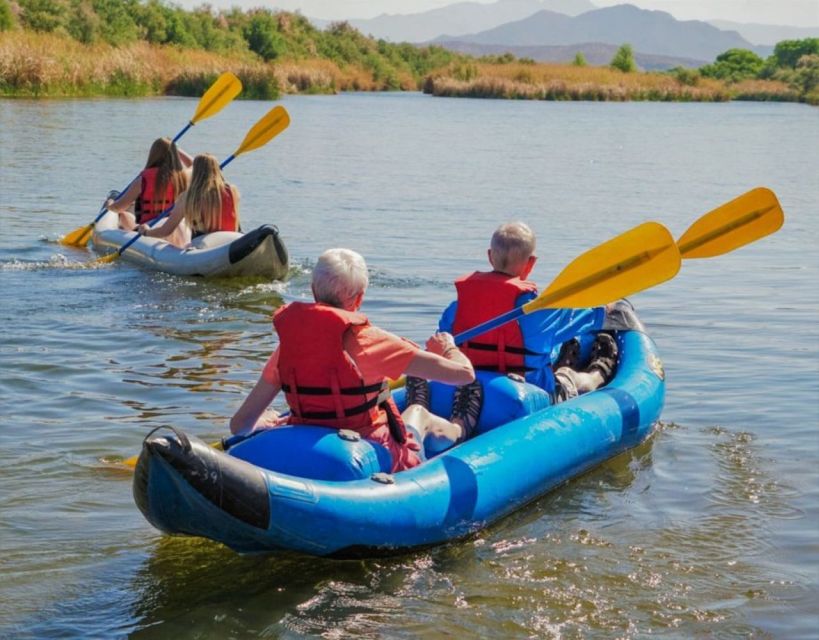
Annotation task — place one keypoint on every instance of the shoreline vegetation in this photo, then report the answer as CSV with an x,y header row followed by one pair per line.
x,y
129,48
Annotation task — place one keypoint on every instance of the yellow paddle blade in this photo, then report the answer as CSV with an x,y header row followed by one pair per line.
x,y
272,124
106,259
221,92
635,260
132,461
78,237
745,219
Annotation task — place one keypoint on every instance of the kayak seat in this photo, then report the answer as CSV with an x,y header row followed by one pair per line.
x,y
323,453
318,453
504,399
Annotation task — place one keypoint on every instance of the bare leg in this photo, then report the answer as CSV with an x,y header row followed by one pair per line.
x,y
179,237
588,380
127,220
571,383
437,434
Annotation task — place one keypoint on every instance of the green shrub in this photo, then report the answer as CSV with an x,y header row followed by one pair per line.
x,y
258,84
788,52
623,60
43,15
579,60
262,36
734,65
687,77
465,72
807,70
6,16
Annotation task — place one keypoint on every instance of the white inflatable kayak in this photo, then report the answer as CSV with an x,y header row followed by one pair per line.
x,y
260,252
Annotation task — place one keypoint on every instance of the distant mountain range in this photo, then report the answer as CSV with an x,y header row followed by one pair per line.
x,y
595,53
766,34
554,30
458,19
654,32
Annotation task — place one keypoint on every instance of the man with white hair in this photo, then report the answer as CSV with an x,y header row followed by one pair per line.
x,y
333,366
523,347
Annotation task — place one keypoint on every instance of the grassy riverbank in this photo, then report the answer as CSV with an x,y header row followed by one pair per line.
x,y
64,48
567,82
47,65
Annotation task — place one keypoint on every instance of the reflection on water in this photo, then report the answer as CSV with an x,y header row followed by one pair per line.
x,y
564,567
186,579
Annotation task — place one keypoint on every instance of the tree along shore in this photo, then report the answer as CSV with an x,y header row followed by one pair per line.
x,y
66,48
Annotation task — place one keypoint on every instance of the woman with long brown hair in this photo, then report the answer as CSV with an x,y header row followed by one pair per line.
x,y
210,204
164,177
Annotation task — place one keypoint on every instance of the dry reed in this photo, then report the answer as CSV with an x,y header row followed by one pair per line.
x,y
33,64
569,82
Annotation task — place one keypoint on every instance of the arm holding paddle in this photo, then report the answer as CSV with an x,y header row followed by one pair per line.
x,y
442,360
636,260
219,95
268,127
124,199
169,222
647,255
255,414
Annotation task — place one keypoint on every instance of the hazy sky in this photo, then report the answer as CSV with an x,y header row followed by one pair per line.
x,y
803,13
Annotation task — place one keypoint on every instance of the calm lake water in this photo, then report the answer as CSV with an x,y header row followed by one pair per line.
x,y
710,529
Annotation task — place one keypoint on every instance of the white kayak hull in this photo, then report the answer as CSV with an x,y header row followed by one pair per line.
x,y
224,254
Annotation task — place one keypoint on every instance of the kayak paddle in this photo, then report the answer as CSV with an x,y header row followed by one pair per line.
x,y
631,262
743,220
271,124
216,98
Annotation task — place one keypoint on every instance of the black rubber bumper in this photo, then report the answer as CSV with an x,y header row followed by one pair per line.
x,y
248,243
234,486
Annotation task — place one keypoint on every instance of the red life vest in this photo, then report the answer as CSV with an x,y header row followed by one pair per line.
x,y
149,204
481,297
324,386
228,219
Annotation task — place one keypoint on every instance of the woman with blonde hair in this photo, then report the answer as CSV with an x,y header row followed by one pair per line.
x,y
210,204
164,177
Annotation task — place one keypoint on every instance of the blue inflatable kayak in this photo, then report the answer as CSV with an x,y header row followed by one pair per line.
x,y
326,492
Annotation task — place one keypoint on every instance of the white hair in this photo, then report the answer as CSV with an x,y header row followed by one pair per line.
x,y
512,244
339,276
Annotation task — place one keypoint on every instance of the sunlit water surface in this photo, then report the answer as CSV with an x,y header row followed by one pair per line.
x,y
709,529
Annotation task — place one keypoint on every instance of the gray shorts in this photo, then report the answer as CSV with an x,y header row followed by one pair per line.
x,y
565,384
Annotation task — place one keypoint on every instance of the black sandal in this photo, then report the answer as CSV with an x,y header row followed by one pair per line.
x,y
604,356
466,406
417,392
569,355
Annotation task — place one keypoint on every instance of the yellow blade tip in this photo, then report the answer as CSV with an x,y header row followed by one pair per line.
x,y
106,259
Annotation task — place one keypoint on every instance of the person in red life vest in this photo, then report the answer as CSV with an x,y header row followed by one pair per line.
x,y
164,177
333,366
210,204
523,347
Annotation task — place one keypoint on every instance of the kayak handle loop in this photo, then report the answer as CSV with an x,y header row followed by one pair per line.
x,y
183,439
